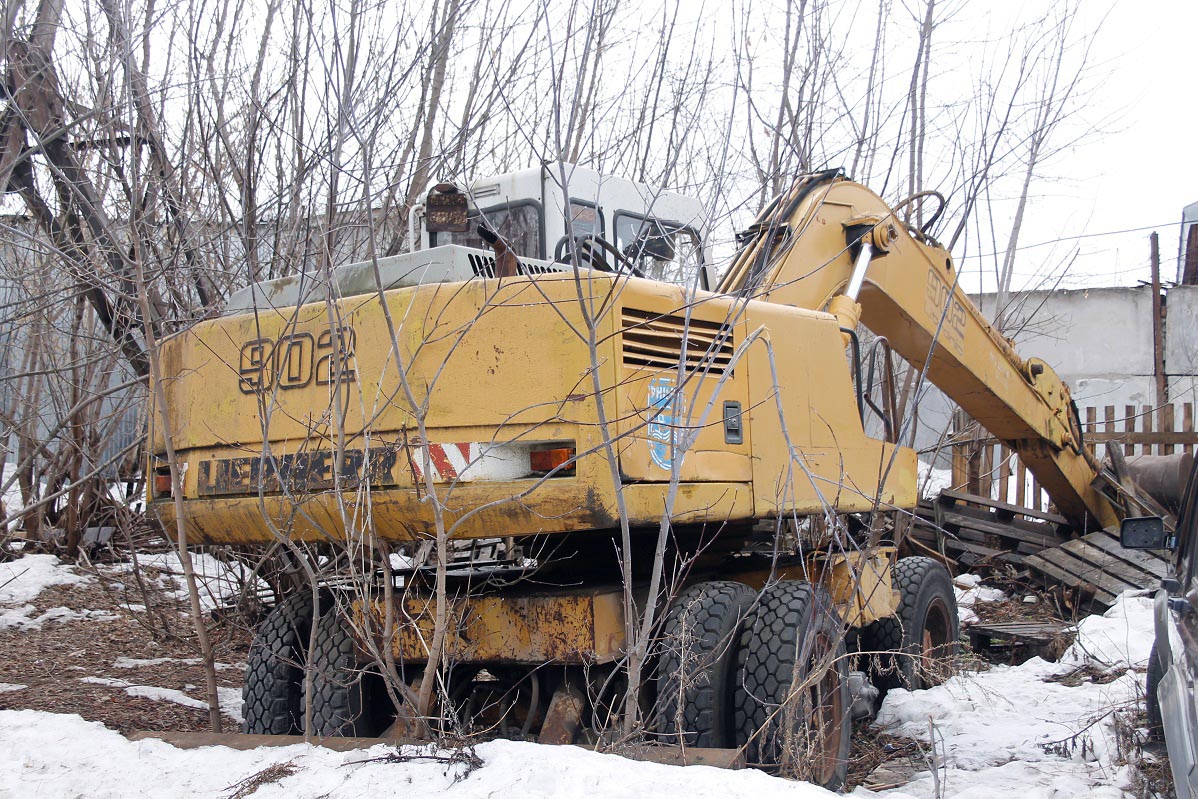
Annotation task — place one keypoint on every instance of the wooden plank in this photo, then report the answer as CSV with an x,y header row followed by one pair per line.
x,y
1059,575
1111,536
1002,530
956,545
1007,517
1109,564
1085,572
960,465
1020,483
1004,474
987,488
1108,421
1031,631
1141,438
1146,426
1166,423
1187,425
961,496
1136,557
1091,428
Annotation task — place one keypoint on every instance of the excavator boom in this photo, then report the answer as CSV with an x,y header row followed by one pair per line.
x,y
832,244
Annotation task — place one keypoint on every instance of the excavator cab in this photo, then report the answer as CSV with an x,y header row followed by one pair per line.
x,y
565,214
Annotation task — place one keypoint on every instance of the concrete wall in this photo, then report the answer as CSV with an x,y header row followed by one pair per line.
x,y
1099,341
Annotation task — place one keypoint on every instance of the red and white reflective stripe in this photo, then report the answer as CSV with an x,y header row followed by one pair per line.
x,y
447,461
467,462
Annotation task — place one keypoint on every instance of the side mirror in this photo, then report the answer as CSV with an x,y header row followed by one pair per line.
x,y
1144,532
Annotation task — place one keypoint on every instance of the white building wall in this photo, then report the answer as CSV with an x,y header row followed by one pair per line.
x,y
1099,341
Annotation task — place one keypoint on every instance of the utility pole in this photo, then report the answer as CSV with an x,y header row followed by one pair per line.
x,y
1158,330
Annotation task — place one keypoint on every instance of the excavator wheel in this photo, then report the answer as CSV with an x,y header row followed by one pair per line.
x,y
349,698
697,664
272,696
916,647
792,690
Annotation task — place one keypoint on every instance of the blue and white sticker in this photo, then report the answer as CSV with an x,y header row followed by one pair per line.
x,y
663,405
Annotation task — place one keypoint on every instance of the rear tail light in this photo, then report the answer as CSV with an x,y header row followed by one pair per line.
x,y
546,460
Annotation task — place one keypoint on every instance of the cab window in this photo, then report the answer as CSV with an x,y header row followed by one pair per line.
x,y
585,219
664,251
518,223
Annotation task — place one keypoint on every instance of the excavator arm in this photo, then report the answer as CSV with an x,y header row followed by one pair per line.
x,y
833,245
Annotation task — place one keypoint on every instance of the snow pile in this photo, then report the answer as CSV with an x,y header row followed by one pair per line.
x,y
22,617
219,583
6,687
23,579
148,692
1120,638
59,755
1010,731
230,698
969,589
137,663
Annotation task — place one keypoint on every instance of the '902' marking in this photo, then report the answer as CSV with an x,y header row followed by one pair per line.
x,y
937,296
296,359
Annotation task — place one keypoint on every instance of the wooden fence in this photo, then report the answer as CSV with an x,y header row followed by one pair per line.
x,y
983,466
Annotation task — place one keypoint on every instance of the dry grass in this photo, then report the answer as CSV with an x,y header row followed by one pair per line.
x,y
873,749
1151,777
267,776
53,660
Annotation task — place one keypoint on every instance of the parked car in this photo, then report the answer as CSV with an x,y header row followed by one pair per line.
x,y
1172,696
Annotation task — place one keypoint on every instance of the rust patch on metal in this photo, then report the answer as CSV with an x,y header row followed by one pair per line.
x,y
563,719
579,627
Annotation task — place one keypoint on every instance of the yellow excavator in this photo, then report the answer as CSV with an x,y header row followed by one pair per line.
x,y
579,477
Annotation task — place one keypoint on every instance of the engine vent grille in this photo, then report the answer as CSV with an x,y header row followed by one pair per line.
x,y
484,266
655,340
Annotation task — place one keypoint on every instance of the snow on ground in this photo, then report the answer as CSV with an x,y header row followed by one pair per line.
x,y
969,589
1006,732
230,698
148,691
6,687
1010,732
1119,638
22,617
59,755
23,579
137,663
218,582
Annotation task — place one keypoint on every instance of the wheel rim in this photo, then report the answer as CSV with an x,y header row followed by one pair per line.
x,y
824,712
935,645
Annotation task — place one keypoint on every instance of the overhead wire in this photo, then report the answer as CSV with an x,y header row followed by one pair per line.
x,y
1077,237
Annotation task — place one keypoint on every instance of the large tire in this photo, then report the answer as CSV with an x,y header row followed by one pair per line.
x,y
272,695
917,646
1156,672
349,698
697,663
792,692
